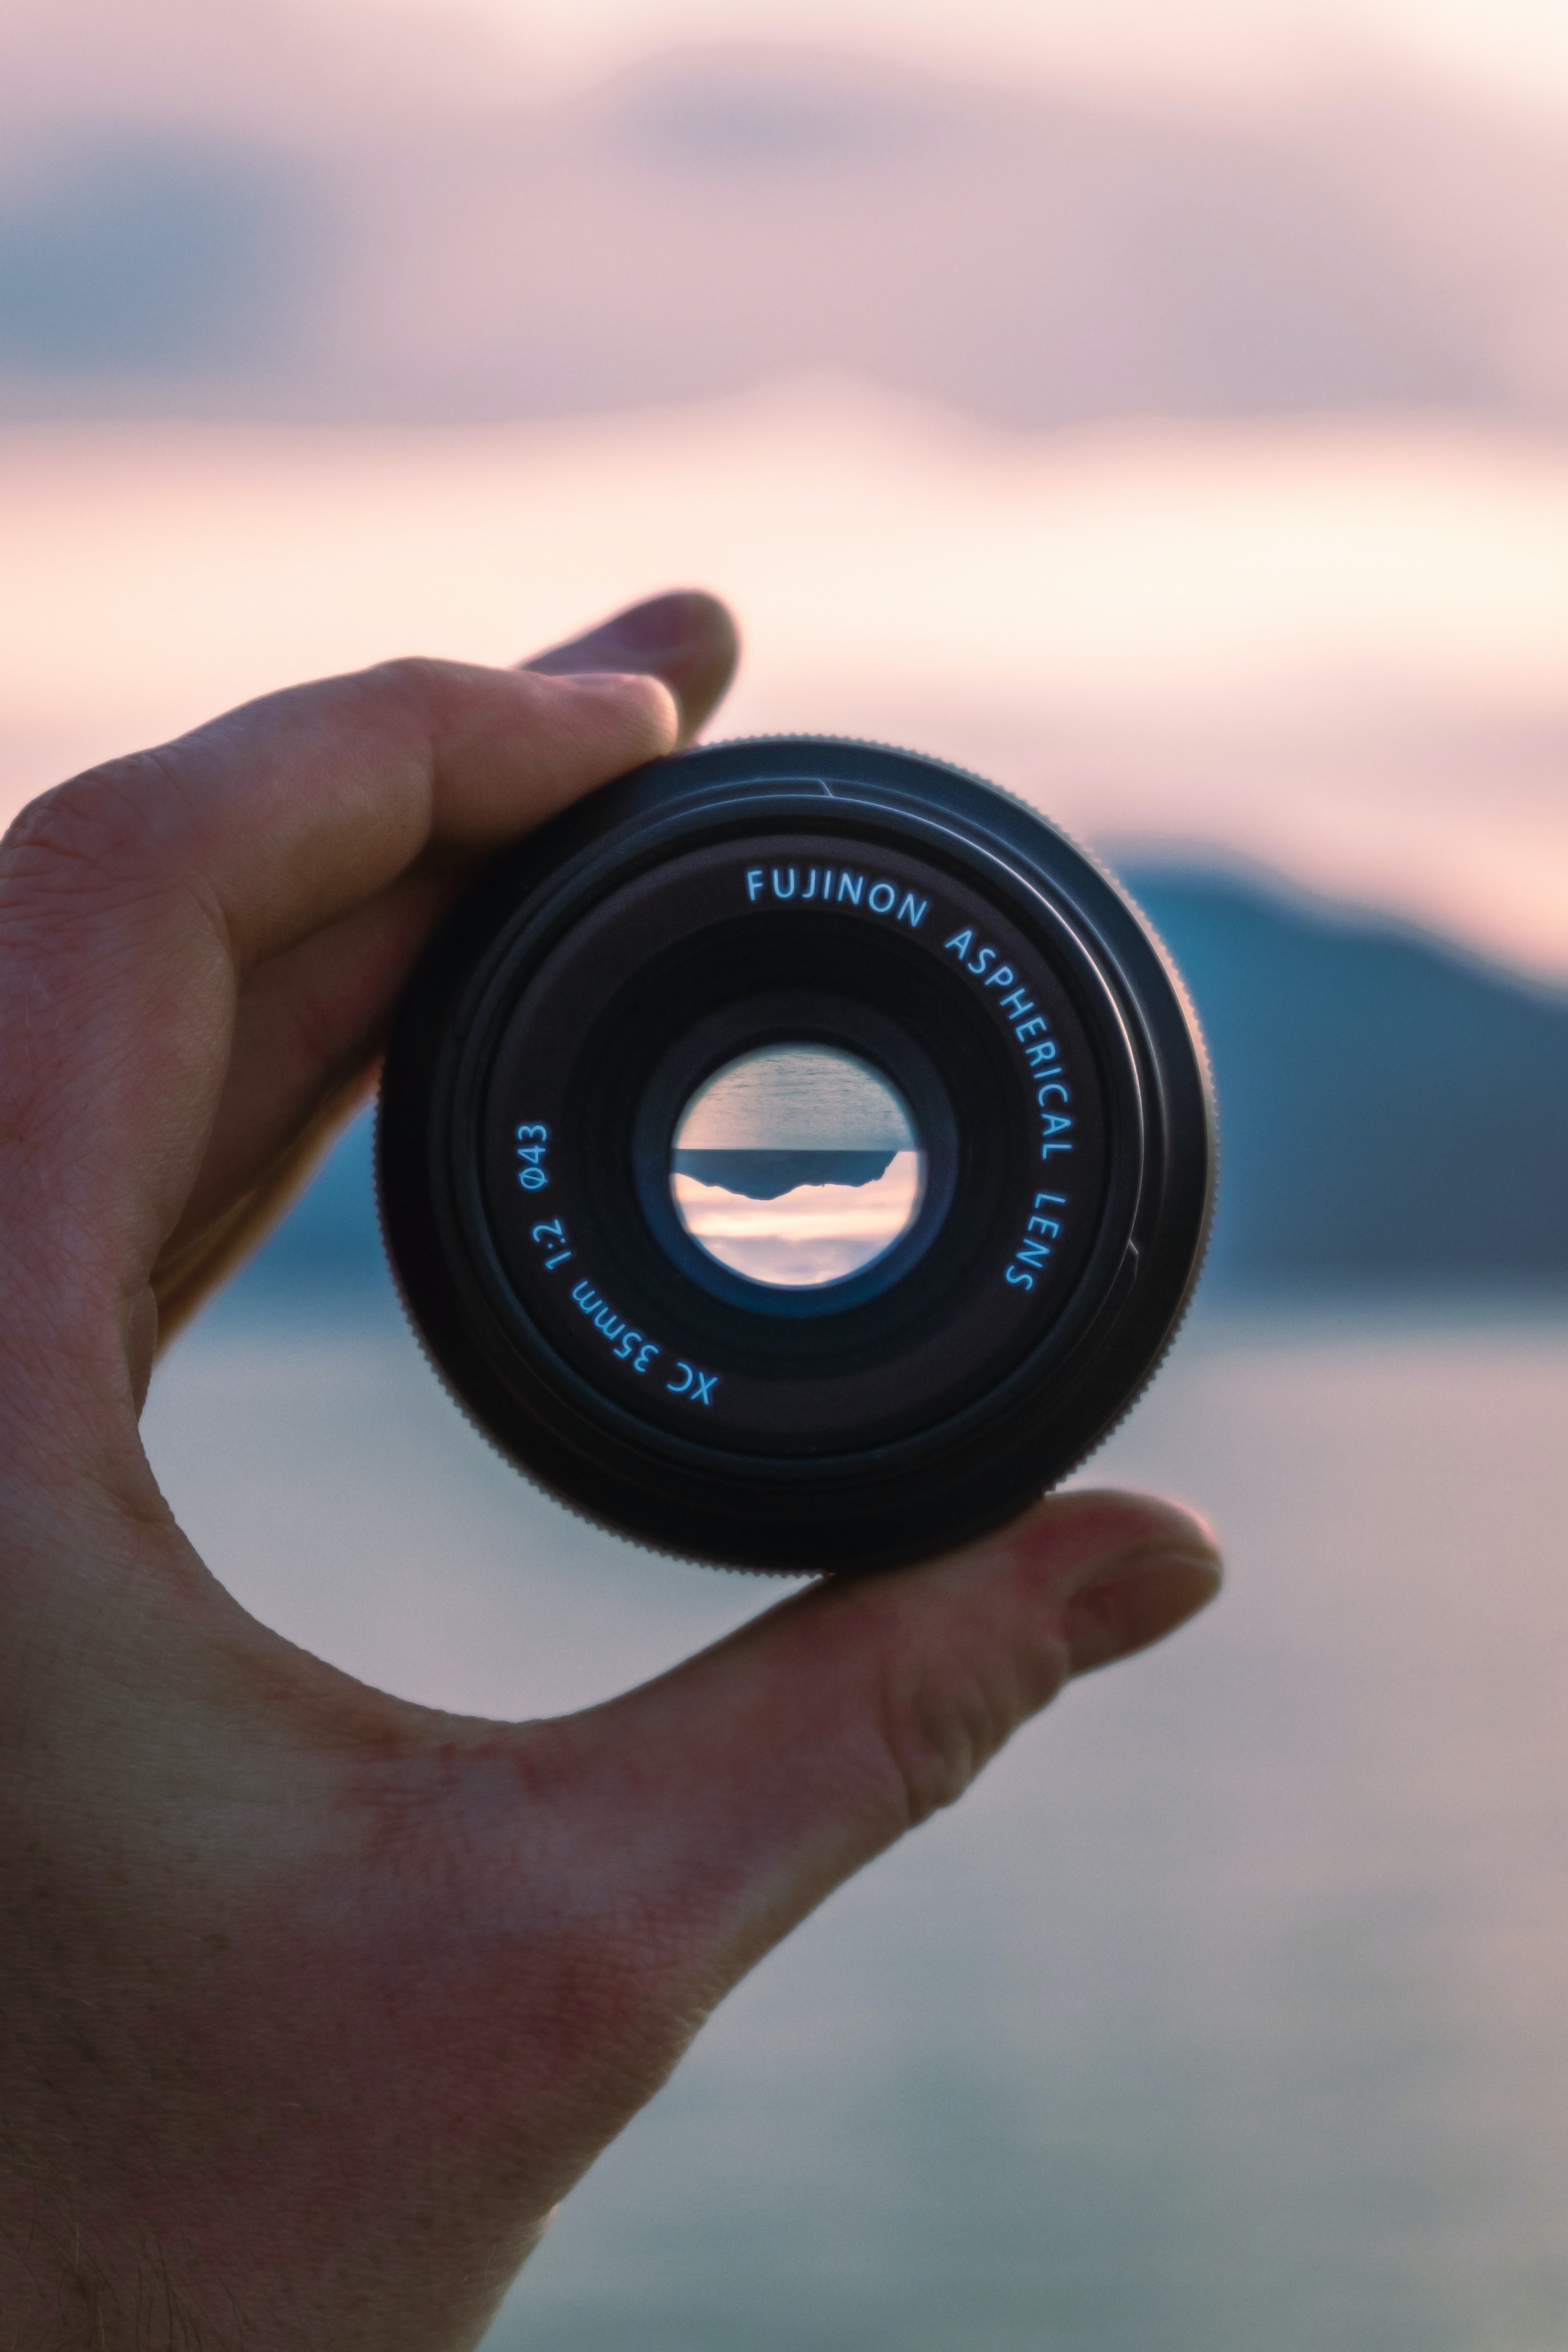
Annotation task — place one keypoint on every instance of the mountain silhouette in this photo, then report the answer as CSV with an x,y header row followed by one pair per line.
x,y
769,1175
1387,1108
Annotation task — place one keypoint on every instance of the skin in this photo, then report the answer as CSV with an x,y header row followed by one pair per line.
x,y
316,2002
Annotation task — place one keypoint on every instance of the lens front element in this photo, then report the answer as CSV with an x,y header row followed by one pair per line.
x,y
797,1166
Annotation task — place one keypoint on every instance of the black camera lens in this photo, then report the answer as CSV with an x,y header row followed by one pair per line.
x,y
798,1155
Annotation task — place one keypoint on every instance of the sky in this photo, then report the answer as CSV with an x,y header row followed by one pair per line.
x,y
1339,651
1519,48
1197,469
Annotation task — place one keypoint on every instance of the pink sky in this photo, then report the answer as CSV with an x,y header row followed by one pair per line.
x,y
1338,649
1223,502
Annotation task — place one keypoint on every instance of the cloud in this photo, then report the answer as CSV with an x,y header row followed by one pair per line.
x,y
1337,648
130,255
289,243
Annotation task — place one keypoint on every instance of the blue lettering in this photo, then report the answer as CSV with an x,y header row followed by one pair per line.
x,y
913,910
881,899
850,886
616,1330
551,1235
779,890
1019,1279
757,882
1041,1051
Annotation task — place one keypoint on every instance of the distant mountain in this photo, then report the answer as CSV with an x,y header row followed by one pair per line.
x,y
721,216
769,1175
1388,1110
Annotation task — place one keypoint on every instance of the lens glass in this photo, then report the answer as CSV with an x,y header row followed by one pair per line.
x,y
797,1165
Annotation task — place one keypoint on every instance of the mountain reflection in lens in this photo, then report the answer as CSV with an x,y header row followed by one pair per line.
x,y
797,1165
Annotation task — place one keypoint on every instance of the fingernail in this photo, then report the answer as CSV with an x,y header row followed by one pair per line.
x,y
1137,1598
664,630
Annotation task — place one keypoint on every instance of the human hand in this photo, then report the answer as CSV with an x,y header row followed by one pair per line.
x,y
315,2002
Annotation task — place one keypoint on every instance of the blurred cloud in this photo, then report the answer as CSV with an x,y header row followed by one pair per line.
x,y
1338,648
361,246
134,255
1197,467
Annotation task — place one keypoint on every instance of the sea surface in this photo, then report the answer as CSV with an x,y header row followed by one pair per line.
x,y
1229,2013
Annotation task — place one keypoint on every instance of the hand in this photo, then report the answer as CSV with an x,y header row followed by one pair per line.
x,y
316,2002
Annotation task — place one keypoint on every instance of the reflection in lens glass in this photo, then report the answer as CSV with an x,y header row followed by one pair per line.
x,y
797,1165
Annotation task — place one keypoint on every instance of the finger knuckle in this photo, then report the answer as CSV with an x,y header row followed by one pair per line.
x,y
943,1719
419,672
418,681
89,837
411,702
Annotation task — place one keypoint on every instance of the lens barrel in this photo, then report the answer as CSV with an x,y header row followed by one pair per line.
x,y
798,1155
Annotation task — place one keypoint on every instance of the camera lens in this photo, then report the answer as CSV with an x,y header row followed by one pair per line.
x,y
798,1155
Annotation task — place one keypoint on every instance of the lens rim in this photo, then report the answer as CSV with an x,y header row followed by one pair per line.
x,y
880,1503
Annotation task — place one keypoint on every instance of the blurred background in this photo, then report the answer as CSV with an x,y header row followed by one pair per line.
x,y
1163,409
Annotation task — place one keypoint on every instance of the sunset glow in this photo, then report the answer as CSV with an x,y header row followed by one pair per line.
x,y
1339,650
1197,470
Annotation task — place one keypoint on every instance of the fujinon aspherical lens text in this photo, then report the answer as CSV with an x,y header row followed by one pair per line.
x,y
797,1156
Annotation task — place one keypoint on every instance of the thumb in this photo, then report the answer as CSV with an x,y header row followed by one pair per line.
x,y
743,1787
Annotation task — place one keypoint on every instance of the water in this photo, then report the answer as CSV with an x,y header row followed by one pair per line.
x,y
1229,2010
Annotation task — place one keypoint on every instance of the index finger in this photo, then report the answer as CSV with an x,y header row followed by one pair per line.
x,y
276,818
133,899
